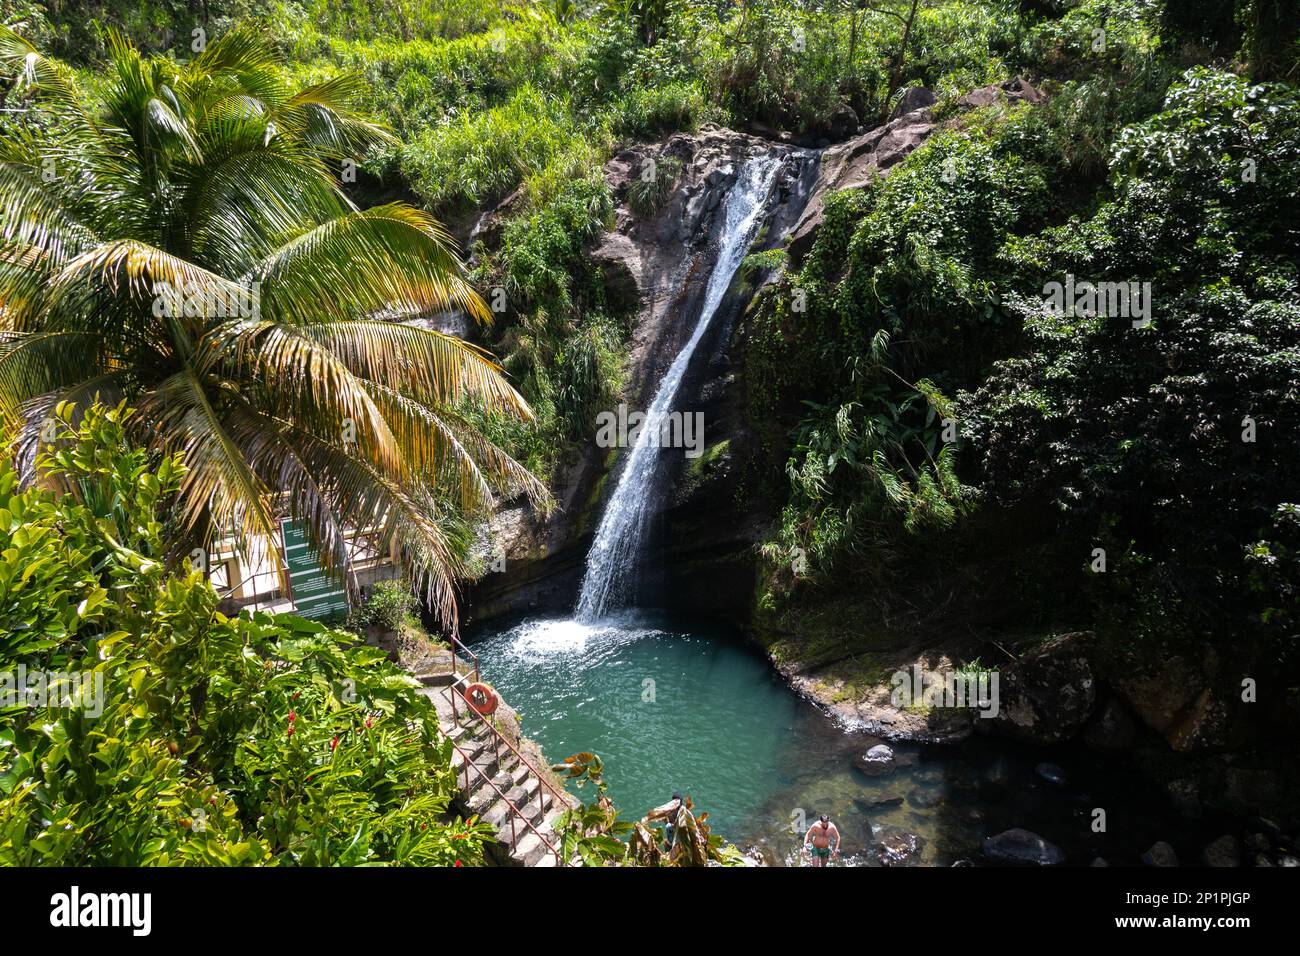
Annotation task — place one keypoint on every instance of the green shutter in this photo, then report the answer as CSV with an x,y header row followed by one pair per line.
x,y
315,594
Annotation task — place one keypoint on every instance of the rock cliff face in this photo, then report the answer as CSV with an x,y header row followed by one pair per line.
x,y
702,555
660,264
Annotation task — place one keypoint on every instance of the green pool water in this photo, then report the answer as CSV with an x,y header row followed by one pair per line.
x,y
671,704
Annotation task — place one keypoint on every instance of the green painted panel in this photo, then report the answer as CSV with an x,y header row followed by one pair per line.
x,y
315,594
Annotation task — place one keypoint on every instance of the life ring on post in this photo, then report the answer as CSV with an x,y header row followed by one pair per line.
x,y
482,699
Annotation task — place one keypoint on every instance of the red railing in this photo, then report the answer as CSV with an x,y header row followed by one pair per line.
x,y
513,812
458,705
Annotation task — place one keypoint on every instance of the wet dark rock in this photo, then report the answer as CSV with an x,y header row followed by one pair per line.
x,y
1160,854
906,759
876,762
1111,729
1225,851
1098,861
895,846
1287,860
880,803
1185,794
1048,694
1022,848
1051,773
1270,828
843,122
1262,860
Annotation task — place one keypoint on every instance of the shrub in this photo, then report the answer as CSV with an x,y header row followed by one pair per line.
x,y
652,187
653,112
197,739
476,158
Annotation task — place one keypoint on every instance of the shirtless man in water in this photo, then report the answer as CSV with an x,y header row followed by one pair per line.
x,y
820,835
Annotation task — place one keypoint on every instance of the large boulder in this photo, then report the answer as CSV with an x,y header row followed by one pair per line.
x,y
1225,851
1019,847
1112,729
1016,89
1160,854
914,98
876,762
621,267
1048,694
843,122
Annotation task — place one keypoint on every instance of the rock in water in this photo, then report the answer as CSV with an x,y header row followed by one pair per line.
x,y
1160,854
1022,848
882,803
896,847
876,762
924,799
1225,851
1051,773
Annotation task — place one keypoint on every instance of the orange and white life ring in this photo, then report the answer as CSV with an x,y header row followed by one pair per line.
x,y
482,699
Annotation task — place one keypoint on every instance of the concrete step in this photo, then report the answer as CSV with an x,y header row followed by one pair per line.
x,y
531,851
498,814
505,780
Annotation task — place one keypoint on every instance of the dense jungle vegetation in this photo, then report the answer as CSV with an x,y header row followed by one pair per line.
x,y
936,443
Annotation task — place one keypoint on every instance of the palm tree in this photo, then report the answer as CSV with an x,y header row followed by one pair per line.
x,y
185,244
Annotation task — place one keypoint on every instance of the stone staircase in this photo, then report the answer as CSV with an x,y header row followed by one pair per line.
x,y
514,794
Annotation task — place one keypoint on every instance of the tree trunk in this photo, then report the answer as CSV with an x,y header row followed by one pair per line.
x,y
896,73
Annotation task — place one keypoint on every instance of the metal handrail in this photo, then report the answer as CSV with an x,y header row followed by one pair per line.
x,y
513,810
452,693
499,738
455,643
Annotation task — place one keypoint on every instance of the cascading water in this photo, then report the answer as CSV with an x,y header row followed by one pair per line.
x,y
611,562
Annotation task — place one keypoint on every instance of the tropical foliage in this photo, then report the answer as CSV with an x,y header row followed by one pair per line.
x,y
181,736
594,834
1159,445
182,238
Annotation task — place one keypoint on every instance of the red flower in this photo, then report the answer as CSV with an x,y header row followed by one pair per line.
x,y
289,731
458,863
292,715
424,826
370,722
334,744
461,836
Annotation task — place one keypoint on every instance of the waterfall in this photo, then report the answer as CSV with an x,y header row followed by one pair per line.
x,y
612,560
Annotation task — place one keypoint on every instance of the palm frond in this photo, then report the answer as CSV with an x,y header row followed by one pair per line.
x,y
393,259
434,368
